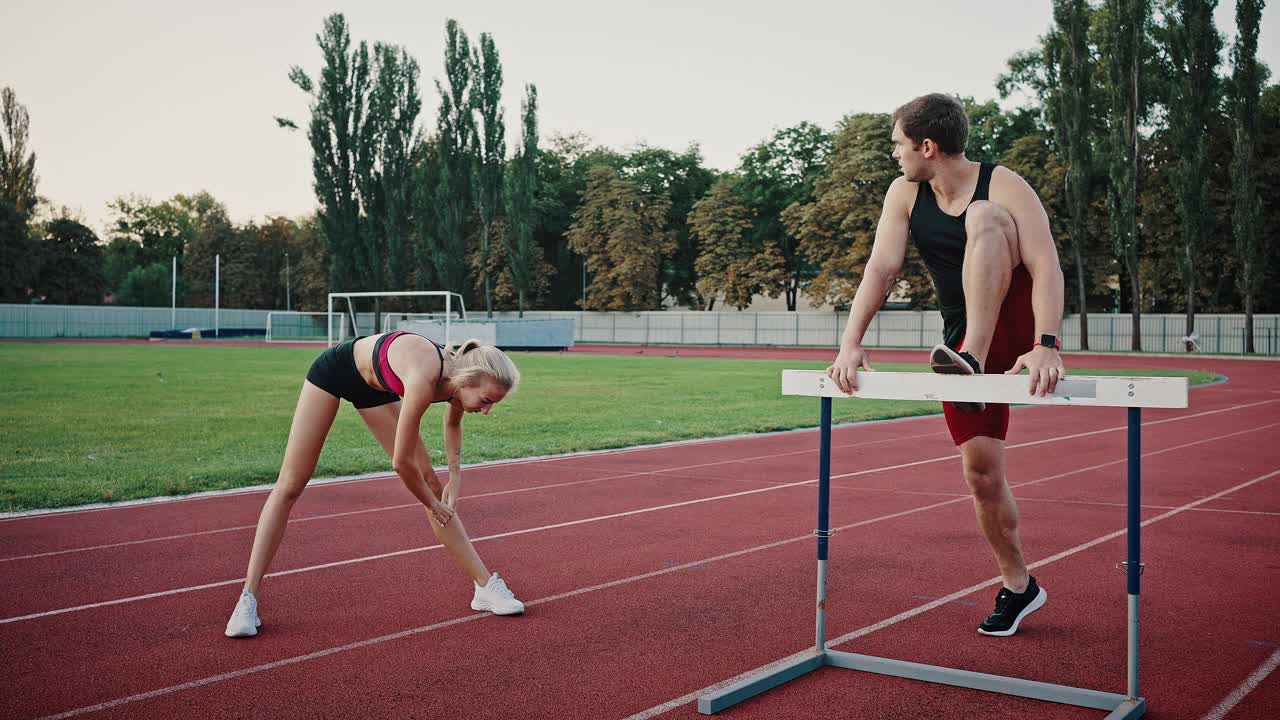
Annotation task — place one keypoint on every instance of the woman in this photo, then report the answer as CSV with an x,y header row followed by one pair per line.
x,y
391,379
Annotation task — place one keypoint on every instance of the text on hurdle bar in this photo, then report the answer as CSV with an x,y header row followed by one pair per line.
x,y
1083,390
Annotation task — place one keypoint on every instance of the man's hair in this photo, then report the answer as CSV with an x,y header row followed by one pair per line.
x,y
935,117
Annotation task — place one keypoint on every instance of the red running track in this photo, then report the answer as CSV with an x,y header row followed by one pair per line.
x,y
652,574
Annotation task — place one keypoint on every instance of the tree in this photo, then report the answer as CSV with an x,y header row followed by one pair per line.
x,y
836,230
364,150
683,180
309,276
728,263
17,167
1123,40
206,229
1245,91
523,255
621,232
143,232
505,294
145,286
338,105
1074,128
1164,284
993,131
15,255
70,262
490,151
17,199
424,218
386,179
454,145
775,174
1193,44
1268,146
1061,74
562,179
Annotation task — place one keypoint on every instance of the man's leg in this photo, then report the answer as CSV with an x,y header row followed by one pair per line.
x,y
990,255
995,507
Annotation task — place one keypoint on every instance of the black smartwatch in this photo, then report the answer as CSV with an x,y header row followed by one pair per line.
x,y
1050,341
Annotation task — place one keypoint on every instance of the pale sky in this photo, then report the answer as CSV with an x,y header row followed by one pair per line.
x,y
158,97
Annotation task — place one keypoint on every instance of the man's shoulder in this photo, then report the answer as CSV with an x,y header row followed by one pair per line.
x,y
901,182
902,192
1006,184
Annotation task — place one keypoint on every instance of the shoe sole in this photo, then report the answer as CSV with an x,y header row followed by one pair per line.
x,y
1032,607
486,607
944,361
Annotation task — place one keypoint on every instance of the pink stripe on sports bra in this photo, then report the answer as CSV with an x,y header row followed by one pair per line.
x,y
388,377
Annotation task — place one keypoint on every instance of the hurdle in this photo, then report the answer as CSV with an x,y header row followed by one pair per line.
x,y
1133,393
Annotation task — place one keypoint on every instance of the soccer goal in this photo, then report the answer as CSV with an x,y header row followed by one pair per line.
x,y
360,310
306,327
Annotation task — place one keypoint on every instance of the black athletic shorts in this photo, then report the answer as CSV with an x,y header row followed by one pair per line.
x,y
335,372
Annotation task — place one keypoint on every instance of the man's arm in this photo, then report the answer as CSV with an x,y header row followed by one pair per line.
x,y
1040,256
887,254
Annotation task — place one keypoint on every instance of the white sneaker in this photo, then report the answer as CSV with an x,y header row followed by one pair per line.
x,y
496,598
244,620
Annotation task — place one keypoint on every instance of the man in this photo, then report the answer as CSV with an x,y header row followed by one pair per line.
x,y
985,238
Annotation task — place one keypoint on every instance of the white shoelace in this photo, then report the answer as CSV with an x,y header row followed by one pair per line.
x,y
500,589
246,608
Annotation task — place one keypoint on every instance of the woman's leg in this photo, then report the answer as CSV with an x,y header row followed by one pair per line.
x,y
311,422
382,422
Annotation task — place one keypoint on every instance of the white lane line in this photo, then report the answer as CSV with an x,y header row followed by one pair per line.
x,y
1255,679
532,488
908,614
599,518
672,704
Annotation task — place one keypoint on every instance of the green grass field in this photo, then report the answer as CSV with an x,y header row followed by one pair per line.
x,y
92,423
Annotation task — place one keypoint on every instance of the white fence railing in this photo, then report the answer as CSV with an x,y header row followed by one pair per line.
x,y
1220,333
897,328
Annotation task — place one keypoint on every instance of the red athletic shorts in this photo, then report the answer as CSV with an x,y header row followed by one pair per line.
x,y
1014,336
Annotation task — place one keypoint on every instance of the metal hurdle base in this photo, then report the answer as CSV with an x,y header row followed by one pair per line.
x,y
1120,706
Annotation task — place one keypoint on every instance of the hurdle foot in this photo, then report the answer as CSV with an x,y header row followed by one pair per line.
x,y
753,685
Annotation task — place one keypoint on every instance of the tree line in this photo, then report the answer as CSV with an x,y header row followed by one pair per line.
x,y
1145,146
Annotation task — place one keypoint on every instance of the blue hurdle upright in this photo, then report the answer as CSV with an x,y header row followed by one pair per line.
x,y
1134,393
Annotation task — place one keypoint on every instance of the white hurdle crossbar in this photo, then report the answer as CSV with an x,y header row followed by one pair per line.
x,y
1134,393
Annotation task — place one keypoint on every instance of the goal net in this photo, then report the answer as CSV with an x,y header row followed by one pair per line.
x,y
370,313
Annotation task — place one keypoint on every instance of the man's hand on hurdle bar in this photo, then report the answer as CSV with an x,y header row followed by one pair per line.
x,y
1044,367
845,369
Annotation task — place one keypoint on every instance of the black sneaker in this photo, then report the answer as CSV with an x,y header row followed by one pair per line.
x,y
945,361
1011,607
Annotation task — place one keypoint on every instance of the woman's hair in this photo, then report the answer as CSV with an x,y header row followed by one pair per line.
x,y
473,361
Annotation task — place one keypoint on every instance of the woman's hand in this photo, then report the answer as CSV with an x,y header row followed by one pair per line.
x,y
442,512
451,493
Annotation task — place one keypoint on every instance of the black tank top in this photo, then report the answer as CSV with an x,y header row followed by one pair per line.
x,y
940,238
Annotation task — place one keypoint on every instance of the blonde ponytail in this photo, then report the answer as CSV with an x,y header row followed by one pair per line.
x,y
474,361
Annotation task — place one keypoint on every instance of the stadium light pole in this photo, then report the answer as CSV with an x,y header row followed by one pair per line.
x,y
288,297
173,296
217,285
